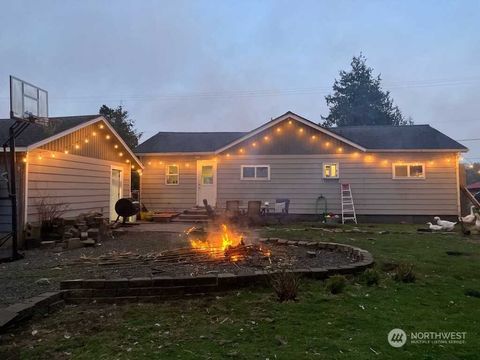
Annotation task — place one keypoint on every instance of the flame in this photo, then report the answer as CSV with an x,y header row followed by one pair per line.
x,y
216,244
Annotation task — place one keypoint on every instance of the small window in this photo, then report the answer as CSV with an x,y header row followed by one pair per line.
x,y
171,175
255,172
330,170
207,175
408,171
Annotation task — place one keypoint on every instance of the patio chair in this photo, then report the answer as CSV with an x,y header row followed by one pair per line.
x,y
209,209
232,210
282,206
254,209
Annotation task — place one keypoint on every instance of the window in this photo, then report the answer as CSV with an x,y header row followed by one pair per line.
x,y
255,172
171,175
207,175
330,170
408,171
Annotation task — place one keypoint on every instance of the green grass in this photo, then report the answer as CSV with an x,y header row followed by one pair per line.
x,y
251,324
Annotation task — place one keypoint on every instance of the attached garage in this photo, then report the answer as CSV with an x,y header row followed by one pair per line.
x,y
79,164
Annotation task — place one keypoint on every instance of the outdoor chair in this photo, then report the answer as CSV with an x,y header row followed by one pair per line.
x,y
282,206
209,209
232,210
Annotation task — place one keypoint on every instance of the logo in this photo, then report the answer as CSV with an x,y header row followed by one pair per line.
x,y
397,338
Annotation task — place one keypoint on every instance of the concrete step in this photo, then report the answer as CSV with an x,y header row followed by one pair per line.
x,y
193,221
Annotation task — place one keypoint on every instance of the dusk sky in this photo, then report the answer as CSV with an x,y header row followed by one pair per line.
x,y
233,65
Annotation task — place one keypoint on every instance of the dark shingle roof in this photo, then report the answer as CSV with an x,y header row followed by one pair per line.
x,y
408,137
173,142
35,133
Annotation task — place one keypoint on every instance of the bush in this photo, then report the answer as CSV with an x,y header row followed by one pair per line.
x,y
285,284
371,277
405,273
336,284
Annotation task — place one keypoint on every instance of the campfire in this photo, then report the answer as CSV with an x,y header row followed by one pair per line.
x,y
225,244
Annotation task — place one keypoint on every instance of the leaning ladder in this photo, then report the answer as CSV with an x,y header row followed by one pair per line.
x,y
348,208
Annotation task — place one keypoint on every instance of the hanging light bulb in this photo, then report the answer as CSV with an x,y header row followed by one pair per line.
x,y
115,146
101,126
120,153
86,141
254,144
241,150
107,137
279,129
266,138
133,166
127,160
94,133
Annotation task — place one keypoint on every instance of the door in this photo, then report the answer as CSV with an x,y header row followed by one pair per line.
x,y
206,182
116,185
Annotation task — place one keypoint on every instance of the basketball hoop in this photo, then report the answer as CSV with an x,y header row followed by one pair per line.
x,y
28,102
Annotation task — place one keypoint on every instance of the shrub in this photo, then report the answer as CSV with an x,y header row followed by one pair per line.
x,y
336,284
405,273
371,277
285,284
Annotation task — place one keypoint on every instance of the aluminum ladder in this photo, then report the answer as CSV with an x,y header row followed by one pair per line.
x,y
348,208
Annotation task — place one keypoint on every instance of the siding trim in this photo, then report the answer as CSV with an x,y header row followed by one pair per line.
x,y
25,193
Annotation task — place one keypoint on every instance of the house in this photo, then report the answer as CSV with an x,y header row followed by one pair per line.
x,y
78,161
394,171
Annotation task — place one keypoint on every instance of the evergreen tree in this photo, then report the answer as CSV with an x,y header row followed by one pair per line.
x,y
122,124
358,99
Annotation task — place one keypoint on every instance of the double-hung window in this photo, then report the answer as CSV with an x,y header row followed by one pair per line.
x,y
172,176
255,172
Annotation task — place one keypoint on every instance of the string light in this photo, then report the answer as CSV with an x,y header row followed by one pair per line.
x,y
86,141
52,155
120,154
241,150
101,126
289,122
128,160
228,155
254,144
340,149
133,166
279,129
266,138
107,137
327,144
115,146
94,133
149,163
66,152
77,146
314,137
300,130
24,159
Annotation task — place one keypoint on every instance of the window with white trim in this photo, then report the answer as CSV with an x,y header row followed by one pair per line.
x,y
330,170
408,171
172,175
255,172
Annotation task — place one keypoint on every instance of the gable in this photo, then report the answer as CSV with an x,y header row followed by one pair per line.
x,y
289,137
96,140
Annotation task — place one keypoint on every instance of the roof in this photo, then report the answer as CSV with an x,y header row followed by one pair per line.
x,y
475,185
404,137
35,133
187,142
366,138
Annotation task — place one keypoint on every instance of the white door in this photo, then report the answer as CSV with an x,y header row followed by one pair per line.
x,y
206,182
116,185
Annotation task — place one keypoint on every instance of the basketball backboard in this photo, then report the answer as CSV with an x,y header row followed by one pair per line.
x,y
27,101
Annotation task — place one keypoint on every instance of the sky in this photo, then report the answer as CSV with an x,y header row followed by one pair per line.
x,y
233,65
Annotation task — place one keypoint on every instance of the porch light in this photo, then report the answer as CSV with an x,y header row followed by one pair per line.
x,y
289,122
24,159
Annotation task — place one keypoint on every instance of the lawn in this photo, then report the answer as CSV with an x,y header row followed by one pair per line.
x,y
251,324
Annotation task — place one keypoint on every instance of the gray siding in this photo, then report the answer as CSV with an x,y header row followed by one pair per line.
x,y
156,195
82,183
299,178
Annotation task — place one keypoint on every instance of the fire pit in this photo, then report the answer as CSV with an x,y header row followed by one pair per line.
x,y
212,260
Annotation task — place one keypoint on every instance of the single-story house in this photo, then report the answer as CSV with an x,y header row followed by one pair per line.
x,y
400,171
79,162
